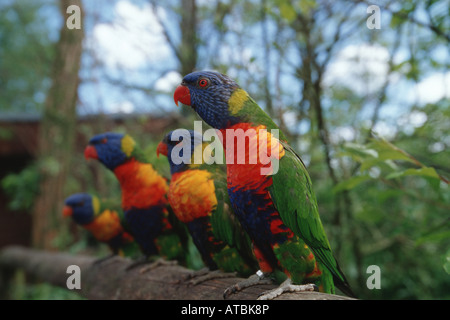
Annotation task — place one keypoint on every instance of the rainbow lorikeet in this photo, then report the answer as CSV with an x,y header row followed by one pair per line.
x,y
273,199
103,220
144,200
199,198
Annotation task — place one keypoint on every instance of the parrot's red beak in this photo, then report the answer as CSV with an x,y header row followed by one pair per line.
x,y
90,152
67,211
162,148
182,95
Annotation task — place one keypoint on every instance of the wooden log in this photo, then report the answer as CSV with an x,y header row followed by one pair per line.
x,y
110,279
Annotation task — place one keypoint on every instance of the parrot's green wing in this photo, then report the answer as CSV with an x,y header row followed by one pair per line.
x,y
225,224
294,199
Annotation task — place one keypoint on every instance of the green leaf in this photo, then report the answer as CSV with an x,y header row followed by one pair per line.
x,y
387,151
424,172
447,263
396,21
387,164
306,6
287,11
434,183
351,183
437,236
360,150
21,187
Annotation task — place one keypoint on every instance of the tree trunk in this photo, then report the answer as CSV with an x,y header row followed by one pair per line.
x,y
188,47
110,279
187,51
57,132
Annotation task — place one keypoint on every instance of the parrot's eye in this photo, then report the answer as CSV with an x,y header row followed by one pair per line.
x,y
104,140
203,82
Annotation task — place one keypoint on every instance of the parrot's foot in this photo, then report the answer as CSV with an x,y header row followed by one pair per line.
x,y
158,263
205,274
101,260
287,286
253,280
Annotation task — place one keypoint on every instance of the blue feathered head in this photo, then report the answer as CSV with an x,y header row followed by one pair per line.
x,y
82,207
112,149
179,146
209,94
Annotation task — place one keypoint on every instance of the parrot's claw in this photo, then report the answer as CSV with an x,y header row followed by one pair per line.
x,y
253,280
204,274
287,286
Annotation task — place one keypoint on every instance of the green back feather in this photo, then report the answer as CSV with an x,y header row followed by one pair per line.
x,y
301,215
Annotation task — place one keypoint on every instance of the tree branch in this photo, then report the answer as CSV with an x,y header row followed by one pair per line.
x,y
110,279
408,17
166,34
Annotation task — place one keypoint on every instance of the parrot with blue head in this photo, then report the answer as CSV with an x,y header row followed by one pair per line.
x,y
271,194
103,220
199,198
144,196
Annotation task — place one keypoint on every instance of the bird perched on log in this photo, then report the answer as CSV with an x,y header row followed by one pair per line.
x,y
199,198
103,220
144,201
271,191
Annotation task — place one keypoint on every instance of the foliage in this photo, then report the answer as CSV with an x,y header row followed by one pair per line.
x,y
402,210
26,54
20,290
22,188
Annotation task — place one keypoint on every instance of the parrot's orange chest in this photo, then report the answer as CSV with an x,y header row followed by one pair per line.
x,y
192,194
141,185
252,155
106,226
